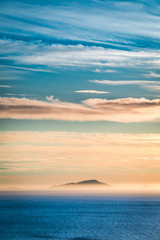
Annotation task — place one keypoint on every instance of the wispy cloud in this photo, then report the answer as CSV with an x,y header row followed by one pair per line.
x,y
5,86
81,153
152,74
94,109
77,138
149,85
83,21
91,91
119,82
153,87
97,70
26,68
57,55
18,94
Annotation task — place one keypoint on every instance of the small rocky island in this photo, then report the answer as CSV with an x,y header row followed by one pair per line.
x,y
87,182
91,182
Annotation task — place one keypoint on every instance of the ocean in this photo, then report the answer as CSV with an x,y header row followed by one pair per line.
x,y
24,217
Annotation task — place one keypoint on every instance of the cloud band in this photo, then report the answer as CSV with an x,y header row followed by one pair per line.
x,y
94,109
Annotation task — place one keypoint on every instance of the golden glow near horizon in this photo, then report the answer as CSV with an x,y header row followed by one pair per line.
x,y
42,159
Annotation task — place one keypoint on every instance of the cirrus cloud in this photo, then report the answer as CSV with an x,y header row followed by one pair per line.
x,y
123,82
152,74
91,91
59,55
4,86
149,85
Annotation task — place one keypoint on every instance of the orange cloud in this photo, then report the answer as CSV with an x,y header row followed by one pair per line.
x,y
94,109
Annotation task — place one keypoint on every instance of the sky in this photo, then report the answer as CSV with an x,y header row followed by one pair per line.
x,y
79,92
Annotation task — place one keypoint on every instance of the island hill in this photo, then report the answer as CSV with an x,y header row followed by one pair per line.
x,y
91,182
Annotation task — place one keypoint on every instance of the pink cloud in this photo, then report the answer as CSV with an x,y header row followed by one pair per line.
x,y
93,109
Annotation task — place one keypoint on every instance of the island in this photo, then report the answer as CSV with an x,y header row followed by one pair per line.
x,y
90,182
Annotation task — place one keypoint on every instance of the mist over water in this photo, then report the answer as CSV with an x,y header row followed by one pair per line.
x,y
24,217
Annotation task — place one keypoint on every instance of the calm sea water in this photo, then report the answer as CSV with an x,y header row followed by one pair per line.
x,y
73,218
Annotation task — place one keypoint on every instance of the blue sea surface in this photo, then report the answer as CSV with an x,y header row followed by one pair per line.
x,y
79,218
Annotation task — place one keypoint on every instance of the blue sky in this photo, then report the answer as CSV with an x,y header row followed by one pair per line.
x,y
79,55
